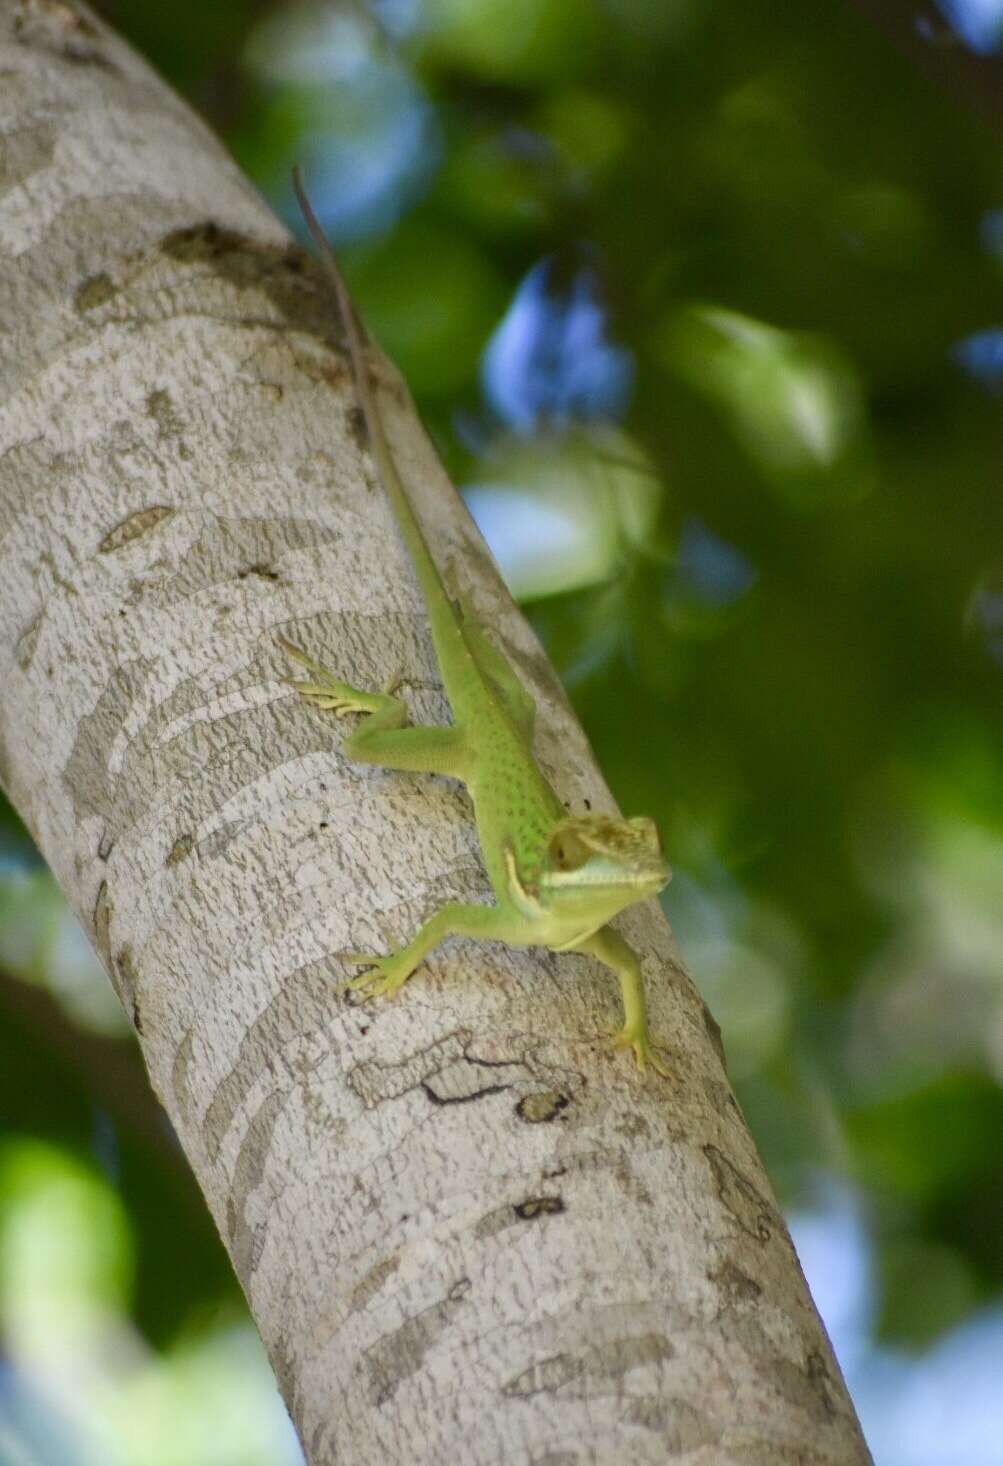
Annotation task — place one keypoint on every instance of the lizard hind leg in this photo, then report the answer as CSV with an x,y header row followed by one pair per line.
x,y
611,949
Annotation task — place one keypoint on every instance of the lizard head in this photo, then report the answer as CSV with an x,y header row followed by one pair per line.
x,y
594,863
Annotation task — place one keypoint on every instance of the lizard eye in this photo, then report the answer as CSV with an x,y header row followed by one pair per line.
x,y
566,851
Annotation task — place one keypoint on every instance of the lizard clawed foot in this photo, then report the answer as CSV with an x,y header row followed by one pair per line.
x,y
386,975
638,1039
329,693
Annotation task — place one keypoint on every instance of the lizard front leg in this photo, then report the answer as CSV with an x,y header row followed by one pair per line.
x,y
610,948
382,738
456,919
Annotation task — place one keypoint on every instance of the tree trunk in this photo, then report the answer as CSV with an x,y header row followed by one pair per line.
x,y
466,1230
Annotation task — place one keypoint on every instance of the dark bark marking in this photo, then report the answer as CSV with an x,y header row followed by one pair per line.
x,y
101,922
284,1366
510,1215
444,1071
86,776
180,850
714,1034
368,1286
229,549
179,1075
545,1376
538,1206
604,1160
459,1085
739,1197
140,523
25,152
60,29
540,1109
805,1385
93,292
759,1452
262,572
301,1006
683,1427
717,1092
160,407
735,1284
355,422
396,1356
246,1241
125,979
288,276
591,1368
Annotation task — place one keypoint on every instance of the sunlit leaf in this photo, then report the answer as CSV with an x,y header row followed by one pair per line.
x,y
65,1251
793,401
563,513
518,41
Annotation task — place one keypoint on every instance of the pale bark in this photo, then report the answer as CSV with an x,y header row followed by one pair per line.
x,y
466,1229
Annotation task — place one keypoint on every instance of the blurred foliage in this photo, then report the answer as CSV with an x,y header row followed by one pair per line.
x,y
703,305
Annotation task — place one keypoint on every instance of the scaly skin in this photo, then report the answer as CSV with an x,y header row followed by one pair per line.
x,y
558,880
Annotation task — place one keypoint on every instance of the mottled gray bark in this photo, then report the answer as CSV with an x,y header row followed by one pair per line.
x,y
466,1229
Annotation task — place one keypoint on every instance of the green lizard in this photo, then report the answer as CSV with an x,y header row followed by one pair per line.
x,y
558,878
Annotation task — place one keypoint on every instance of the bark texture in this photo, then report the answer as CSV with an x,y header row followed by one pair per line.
x,y
467,1231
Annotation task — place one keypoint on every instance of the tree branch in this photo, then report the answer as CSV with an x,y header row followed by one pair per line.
x,y
466,1229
